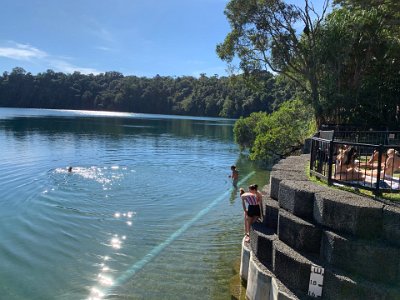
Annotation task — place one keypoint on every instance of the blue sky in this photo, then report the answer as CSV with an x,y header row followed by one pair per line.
x,y
134,37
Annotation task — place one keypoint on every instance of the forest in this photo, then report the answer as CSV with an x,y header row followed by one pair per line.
x,y
214,96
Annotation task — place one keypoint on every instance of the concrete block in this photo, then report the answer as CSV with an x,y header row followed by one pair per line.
x,y
345,212
290,166
277,176
265,190
369,259
270,212
298,197
244,261
391,224
280,292
337,286
291,268
261,243
259,280
298,234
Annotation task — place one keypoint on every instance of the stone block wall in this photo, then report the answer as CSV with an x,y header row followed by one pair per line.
x,y
355,239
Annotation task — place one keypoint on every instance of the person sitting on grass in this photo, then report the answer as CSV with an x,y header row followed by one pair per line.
x,y
375,156
346,167
388,166
392,162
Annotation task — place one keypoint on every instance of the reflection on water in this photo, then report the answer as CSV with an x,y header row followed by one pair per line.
x,y
59,126
147,212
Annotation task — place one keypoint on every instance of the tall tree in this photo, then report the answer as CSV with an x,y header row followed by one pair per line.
x,y
274,35
359,68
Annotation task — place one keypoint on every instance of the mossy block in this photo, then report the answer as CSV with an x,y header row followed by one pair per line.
x,y
298,197
298,233
344,212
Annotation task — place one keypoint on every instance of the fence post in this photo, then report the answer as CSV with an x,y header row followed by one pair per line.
x,y
330,162
312,155
377,192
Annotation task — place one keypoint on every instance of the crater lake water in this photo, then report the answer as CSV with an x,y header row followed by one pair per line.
x,y
148,211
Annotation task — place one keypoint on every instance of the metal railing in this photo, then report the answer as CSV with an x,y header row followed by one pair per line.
x,y
368,160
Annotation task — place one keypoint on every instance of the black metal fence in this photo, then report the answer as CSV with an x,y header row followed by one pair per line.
x,y
362,159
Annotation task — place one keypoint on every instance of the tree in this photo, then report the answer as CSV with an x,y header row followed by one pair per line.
x,y
278,134
264,36
359,67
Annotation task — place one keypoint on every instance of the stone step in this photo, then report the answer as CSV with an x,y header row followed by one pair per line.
x,y
265,190
281,292
298,197
262,284
298,233
259,280
277,176
348,213
391,224
372,260
288,165
261,241
338,286
293,270
270,212
295,159
244,260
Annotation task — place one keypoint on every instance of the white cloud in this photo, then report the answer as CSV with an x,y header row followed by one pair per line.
x,y
22,52
66,67
25,52
102,48
97,29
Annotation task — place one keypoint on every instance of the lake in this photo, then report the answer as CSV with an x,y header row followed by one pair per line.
x,y
148,211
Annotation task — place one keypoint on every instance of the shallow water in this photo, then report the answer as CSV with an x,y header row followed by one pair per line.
x,y
148,211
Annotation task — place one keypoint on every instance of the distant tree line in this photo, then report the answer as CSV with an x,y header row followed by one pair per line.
x,y
213,96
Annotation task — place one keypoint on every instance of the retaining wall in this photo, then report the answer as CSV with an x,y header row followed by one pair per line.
x,y
355,239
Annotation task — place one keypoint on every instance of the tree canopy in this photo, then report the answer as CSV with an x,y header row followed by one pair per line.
x,y
273,35
346,61
343,60
277,134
